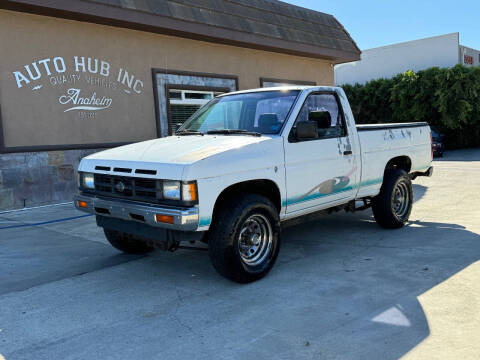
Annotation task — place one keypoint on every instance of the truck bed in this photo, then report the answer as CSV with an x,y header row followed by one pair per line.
x,y
382,142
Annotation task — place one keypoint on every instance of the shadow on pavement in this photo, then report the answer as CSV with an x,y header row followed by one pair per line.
x,y
419,192
460,155
342,288
32,256
383,274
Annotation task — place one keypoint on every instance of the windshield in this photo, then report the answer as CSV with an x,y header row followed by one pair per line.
x,y
260,112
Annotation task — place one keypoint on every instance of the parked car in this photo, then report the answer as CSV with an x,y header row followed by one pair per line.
x,y
246,163
437,142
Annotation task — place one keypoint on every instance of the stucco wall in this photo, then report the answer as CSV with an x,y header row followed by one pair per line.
x,y
38,112
42,113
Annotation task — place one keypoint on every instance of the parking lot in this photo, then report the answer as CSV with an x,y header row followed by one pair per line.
x,y
342,288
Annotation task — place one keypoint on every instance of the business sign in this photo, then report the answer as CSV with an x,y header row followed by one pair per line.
x,y
469,56
468,60
85,85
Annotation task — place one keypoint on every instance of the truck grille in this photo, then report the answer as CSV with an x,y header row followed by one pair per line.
x,y
137,189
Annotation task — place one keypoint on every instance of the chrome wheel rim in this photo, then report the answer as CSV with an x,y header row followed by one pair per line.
x,y
255,240
401,200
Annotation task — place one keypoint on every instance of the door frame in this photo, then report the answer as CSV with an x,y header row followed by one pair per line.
x,y
287,134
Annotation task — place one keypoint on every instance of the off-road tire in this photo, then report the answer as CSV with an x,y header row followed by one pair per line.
x,y
127,243
224,237
384,203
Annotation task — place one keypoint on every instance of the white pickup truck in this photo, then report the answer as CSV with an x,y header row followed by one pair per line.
x,y
247,162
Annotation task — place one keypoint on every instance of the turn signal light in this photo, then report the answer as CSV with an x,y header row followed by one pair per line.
x,y
190,192
82,204
167,219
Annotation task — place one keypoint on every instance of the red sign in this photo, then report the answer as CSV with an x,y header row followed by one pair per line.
x,y
468,60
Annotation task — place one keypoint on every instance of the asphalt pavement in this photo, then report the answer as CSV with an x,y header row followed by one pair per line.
x,y
342,288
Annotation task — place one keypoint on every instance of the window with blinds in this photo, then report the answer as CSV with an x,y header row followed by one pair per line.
x,y
184,103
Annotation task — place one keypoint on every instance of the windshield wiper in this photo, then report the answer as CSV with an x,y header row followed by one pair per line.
x,y
233,132
189,132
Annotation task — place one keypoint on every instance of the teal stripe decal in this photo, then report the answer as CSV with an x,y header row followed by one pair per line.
x,y
318,195
371,182
204,222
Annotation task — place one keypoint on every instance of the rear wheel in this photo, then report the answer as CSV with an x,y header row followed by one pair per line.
x,y
244,239
392,207
127,243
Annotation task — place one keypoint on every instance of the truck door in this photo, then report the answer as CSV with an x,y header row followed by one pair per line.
x,y
319,171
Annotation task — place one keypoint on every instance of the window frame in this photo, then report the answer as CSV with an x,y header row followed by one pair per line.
x,y
197,88
292,138
184,100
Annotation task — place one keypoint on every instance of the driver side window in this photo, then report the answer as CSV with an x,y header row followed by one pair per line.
x,y
324,103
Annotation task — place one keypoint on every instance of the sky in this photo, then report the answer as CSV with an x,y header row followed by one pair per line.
x,y
374,23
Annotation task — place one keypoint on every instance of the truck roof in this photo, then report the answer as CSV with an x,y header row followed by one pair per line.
x,y
280,88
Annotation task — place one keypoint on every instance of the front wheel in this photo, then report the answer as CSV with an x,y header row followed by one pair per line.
x,y
244,239
393,205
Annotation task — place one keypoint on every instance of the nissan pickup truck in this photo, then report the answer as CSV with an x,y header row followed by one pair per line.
x,y
244,165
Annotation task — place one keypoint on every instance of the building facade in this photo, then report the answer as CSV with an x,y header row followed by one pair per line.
x,y
79,76
388,61
469,56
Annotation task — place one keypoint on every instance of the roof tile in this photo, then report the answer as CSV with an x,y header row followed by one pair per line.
x,y
267,24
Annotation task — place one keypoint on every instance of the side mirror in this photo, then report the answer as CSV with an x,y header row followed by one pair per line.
x,y
307,130
322,118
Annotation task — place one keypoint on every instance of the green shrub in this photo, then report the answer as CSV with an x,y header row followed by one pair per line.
x,y
448,98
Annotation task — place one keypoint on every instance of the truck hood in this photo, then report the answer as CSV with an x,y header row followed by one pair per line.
x,y
168,155
177,149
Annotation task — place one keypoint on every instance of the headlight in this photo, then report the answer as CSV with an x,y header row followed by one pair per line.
x,y
180,191
171,190
88,181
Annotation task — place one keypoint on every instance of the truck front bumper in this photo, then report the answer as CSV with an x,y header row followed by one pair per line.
x,y
183,219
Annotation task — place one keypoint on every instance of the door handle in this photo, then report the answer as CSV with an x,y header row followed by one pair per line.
x,y
348,152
